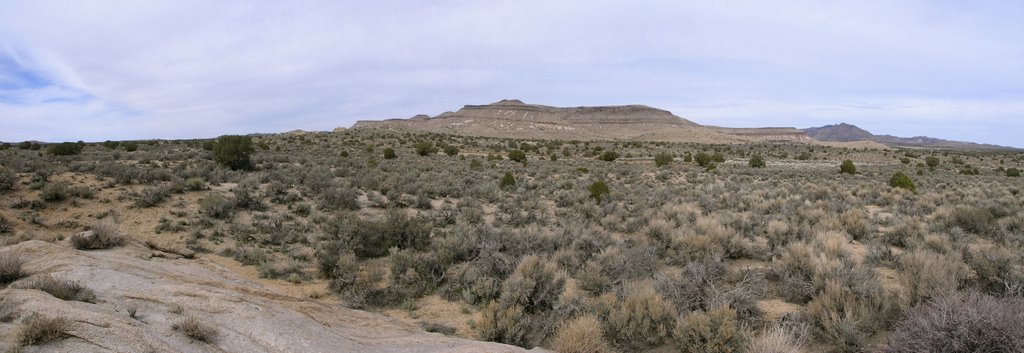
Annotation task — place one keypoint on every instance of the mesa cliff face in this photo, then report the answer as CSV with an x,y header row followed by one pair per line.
x,y
513,118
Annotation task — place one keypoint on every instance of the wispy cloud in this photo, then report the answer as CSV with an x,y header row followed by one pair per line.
x,y
102,70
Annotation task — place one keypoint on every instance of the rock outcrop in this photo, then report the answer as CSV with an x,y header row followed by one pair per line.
x,y
164,291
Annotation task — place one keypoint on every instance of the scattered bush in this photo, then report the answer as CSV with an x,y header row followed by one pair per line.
x,y
54,191
451,150
848,167
598,191
425,148
581,335
715,331
642,318
62,289
507,181
64,149
757,161
10,267
389,153
195,329
535,285
233,151
609,156
502,324
517,156
7,179
104,235
1013,172
217,206
931,161
152,196
662,159
776,340
960,322
925,274
130,146
38,330
900,180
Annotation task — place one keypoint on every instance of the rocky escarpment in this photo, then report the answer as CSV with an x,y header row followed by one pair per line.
x,y
844,132
163,291
513,118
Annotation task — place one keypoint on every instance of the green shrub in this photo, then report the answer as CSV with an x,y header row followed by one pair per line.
x,y
662,159
130,146
507,181
704,160
389,153
900,180
609,156
64,149
517,156
425,148
233,151
24,145
451,150
848,167
598,191
714,331
931,161
1013,172
111,144
398,230
502,324
757,161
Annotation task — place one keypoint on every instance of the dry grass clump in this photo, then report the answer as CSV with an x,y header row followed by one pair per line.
x,y
925,274
61,288
195,329
105,235
714,331
10,267
581,335
503,324
642,318
846,318
776,339
37,330
960,322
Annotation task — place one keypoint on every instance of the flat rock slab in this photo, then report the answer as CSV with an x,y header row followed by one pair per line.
x,y
249,318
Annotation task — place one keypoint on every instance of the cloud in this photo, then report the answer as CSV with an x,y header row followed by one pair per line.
x,y
171,69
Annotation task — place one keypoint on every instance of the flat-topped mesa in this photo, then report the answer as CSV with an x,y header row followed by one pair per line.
x,y
516,110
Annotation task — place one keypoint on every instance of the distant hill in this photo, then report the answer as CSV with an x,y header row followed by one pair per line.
x,y
513,118
847,133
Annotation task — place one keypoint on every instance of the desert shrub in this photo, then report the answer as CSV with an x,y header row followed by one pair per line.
x,y
960,322
104,235
10,267
662,159
7,179
5,225
598,191
217,206
195,184
609,156
931,161
757,161
776,339
503,324
925,274
507,180
233,151
55,191
517,156
642,318
339,198
425,148
1013,172
195,329
535,285
996,270
130,146
848,167
389,153
451,150
62,289
844,318
704,160
417,273
375,238
64,149
714,331
581,335
110,144
972,219
37,330
900,180
152,196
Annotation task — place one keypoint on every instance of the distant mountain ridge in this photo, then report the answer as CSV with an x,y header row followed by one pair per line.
x,y
844,132
513,118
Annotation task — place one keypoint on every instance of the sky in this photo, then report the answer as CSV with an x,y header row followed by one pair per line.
x,y
99,70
